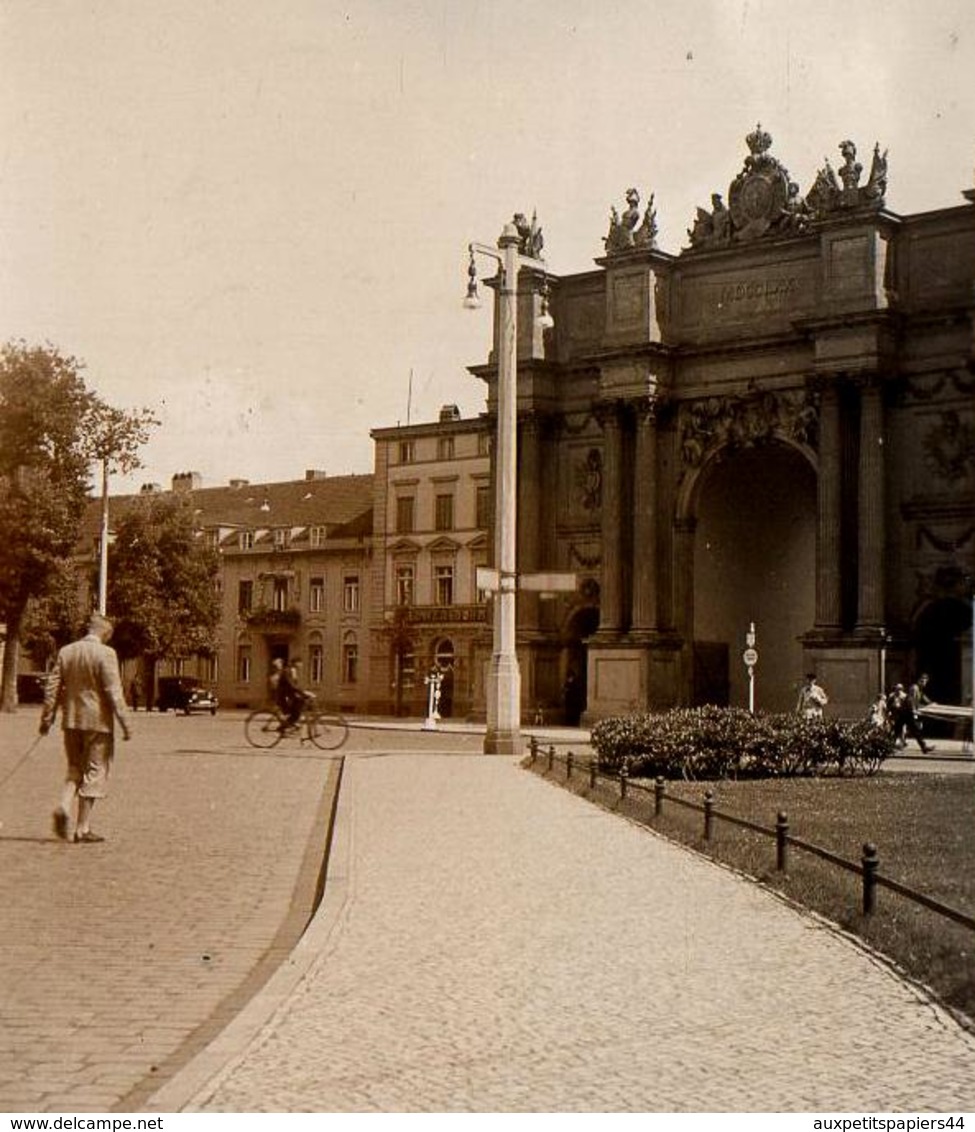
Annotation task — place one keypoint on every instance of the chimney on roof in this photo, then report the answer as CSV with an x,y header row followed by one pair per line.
x,y
186,481
315,474
449,413
150,489
239,483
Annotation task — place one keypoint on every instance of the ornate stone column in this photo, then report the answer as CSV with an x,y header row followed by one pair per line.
x,y
611,583
870,503
645,549
529,512
829,498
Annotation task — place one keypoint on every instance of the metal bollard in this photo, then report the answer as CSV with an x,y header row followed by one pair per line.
x,y
551,756
781,841
870,865
708,815
533,749
624,778
568,766
593,772
658,796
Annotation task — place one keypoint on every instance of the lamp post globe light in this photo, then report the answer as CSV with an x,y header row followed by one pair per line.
x,y
503,734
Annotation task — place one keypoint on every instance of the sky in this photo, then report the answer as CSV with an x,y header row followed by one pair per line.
x,y
252,217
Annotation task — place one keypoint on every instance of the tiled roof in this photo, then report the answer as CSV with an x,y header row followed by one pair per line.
x,y
343,504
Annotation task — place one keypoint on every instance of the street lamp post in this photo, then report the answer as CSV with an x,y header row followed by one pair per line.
x,y
103,545
503,735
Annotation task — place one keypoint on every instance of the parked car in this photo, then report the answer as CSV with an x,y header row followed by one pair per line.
x,y
185,694
31,687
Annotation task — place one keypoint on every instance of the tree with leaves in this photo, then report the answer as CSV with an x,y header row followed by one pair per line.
x,y
162,584
52,428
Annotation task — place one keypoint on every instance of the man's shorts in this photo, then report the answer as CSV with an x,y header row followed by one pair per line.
x,y
89,759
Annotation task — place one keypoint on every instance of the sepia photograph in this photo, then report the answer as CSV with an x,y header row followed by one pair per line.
x,y
487,563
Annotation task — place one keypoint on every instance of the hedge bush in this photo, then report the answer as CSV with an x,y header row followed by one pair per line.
x,y
714,742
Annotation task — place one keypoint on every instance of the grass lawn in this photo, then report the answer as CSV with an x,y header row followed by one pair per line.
x,y
923,826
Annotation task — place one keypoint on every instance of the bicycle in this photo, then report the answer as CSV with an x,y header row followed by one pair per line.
x,y
266,727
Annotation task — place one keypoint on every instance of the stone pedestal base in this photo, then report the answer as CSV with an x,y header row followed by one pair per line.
x,y
849,671
631,675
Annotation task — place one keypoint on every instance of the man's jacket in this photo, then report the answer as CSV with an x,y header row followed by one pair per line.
x,y
86,686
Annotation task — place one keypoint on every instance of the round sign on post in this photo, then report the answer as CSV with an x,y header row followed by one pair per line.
x,y
750,657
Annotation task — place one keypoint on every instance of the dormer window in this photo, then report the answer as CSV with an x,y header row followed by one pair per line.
x,y
282,537
245,540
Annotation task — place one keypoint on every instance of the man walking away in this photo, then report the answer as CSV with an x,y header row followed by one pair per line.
x,y
87,687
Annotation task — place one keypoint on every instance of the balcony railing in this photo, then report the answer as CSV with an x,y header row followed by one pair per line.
x,y
264,617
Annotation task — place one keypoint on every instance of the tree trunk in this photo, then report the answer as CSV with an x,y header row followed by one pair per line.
x,y
11,663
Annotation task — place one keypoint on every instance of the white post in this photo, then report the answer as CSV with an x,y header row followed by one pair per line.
x,y
503,734
103,545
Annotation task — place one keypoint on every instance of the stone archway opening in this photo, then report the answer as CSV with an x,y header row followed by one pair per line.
x,y
754,561
943,649
579,628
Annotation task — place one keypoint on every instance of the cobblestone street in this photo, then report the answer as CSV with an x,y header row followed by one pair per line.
x,y
487,942
492,943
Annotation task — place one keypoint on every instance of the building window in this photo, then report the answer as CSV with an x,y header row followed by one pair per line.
x,y
316,595
210,669
404,583
480,596
482,505
445,448
407,452
350,593
407,670
405,514
279,597
444,513
350,660
316,536
211,537
316,662
443,584
245,596
244,664
483,444
245,540
282,537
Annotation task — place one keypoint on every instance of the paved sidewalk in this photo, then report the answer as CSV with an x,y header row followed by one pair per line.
x,y
121,960
488,942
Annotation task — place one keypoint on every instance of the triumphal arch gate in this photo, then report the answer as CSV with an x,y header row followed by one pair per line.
x,y
775,426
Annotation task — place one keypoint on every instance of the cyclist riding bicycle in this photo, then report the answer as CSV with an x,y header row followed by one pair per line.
x,y
291,699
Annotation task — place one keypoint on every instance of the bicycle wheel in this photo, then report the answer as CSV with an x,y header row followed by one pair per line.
x,y
262,728
328,732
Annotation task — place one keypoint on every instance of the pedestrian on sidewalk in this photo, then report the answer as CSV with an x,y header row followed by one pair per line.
x,y
916,699
87,687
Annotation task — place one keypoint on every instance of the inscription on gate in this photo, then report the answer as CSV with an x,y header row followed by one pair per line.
x,y
737,299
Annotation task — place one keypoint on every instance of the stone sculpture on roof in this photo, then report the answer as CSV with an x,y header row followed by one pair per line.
x,y
626,232
530,236
764,201
832,193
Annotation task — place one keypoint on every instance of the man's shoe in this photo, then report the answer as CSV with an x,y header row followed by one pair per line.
x,y
928,749
87,838
59,823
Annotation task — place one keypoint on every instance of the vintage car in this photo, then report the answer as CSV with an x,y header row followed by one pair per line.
x,y
185,694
